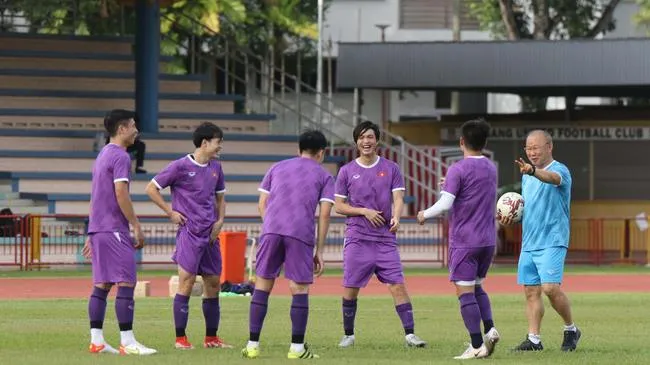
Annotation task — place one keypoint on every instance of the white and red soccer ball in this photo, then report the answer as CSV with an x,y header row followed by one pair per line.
x,y
510,205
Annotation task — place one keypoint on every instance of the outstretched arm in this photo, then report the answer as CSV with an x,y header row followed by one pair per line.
x,y
441,206
546,176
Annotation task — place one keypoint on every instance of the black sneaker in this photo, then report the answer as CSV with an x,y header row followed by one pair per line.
x,y
527,345
571,339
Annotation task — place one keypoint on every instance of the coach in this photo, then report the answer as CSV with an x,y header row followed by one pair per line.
x,y
546,190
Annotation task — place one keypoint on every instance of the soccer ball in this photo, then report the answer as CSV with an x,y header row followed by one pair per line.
x,y
510,205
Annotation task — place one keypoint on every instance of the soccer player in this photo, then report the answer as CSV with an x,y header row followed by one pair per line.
x,y
469,193
198,208
109,244
289,195
370,192
546,189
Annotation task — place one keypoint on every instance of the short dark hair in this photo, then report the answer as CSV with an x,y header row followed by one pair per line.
x,y
312,141
115,118
363,128
475,133
206,131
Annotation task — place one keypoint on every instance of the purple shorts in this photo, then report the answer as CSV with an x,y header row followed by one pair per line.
x,y
469,266
196,255
297,256
113,258
362,258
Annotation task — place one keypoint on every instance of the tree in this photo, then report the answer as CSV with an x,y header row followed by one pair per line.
x,y
545,19
642,17
250,23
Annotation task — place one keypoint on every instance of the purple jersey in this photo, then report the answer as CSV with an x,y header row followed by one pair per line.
x,y
369,187
112,165
194,187
473,183
295,187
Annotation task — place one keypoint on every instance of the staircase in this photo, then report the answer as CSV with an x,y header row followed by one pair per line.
x,y
49,118
270,89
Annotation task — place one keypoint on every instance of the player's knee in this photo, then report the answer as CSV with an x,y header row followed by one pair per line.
x,y
533,292
350,293
104,286
185,285
551,290
298,288
398,290
211,286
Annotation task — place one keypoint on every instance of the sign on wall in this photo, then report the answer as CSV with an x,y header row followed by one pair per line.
x,y
561,133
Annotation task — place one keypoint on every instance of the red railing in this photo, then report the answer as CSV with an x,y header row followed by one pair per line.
x,y
56,240
13,249
595,241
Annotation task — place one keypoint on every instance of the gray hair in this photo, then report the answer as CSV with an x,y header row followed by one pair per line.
x,y
546,135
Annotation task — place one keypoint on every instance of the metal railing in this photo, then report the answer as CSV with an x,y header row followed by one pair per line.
x,y
41,241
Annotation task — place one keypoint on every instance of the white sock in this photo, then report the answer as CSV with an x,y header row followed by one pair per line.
x,y
297,347
127,338
253,344
536,339
571,327
97,336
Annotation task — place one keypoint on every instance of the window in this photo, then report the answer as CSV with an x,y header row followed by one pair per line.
x,y
434,14
443,99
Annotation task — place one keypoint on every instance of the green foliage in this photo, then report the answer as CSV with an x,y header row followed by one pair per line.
x,y
564,19
642,17
561,19
488,14
82,17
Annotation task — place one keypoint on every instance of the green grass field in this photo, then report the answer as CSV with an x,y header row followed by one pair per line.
x,y
56,331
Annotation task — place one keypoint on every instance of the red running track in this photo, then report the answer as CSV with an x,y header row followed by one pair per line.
x,y
26,288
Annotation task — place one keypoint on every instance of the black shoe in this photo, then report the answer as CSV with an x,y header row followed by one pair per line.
x,y
527,345
571,339
140,170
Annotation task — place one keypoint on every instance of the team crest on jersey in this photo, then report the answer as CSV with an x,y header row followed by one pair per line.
x,y
214,174
381,174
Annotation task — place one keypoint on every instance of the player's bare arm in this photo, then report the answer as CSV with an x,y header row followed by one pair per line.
x,y
323,227
261,204
154,194
220,206
546,176
85,251
126,206
398,208
342,207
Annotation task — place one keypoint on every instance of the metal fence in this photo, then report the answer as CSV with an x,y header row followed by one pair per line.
x,y
40,241
597,241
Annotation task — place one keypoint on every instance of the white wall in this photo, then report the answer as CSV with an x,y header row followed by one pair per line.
x,y
354,21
